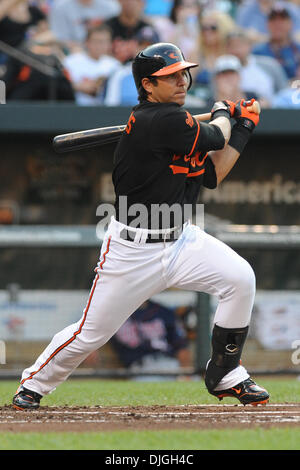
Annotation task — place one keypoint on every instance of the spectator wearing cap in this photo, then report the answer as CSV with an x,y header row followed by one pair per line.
x,y
125,27
226,81
121,89
90,69
281,45
71,19
252,16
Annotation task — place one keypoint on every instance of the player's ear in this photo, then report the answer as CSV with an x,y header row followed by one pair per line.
x,y
147,84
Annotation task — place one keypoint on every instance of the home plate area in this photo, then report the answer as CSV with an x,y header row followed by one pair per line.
x,y
99,418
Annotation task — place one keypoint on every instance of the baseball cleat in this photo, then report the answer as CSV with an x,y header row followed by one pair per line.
x,y
25,399
247,392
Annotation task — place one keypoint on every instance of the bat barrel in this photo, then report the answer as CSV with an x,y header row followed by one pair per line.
x,y
86,139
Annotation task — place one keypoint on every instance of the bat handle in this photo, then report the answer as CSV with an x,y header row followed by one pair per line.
x,y
252,106
202,117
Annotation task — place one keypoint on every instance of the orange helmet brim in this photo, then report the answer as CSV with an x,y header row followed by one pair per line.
x,y
172,68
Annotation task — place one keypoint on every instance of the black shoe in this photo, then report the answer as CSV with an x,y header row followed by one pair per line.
x,y
25,399
247,392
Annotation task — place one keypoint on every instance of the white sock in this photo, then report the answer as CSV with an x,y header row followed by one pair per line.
x,y
233,378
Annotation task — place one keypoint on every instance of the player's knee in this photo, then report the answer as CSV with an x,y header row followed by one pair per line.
x,y
241,281
245,280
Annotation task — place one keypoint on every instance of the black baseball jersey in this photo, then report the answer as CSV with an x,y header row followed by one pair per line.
x,y
162,157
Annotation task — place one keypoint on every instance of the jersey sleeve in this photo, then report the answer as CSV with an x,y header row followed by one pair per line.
x,y
210,177
175,129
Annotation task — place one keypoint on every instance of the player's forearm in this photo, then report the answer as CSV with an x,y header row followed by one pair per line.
x,y
224,125
224,160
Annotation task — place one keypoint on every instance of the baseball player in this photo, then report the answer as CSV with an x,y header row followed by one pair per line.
x,y
164,157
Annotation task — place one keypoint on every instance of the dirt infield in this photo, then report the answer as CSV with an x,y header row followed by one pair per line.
x,y
80,419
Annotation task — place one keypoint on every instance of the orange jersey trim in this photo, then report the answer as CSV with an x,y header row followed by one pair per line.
x,y
196,173
179,169
196,138
81,324
203,160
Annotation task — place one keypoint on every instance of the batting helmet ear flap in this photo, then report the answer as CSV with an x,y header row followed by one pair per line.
x,y
144,66
190,79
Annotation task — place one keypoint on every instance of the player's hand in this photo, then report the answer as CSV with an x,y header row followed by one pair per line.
x,y
246,118
220,108
230,107
223,108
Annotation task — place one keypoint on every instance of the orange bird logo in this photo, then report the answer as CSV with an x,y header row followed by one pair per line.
x,y
189,119
173,56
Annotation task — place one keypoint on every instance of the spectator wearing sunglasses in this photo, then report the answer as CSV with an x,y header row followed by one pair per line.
x,y
215,26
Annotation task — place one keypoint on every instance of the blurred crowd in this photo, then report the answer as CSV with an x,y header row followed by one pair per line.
x,y
81,50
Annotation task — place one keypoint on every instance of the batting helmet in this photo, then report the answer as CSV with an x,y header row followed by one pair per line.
x,y
158,60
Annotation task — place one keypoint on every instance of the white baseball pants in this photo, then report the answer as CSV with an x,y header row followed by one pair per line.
x,y
130,272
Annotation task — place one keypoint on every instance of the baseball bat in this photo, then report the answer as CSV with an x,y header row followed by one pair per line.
x,y
107,135
87,139
252,107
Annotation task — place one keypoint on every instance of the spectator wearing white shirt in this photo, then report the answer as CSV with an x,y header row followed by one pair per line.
x,y
253,76
121,89
71,19
90,69
227,81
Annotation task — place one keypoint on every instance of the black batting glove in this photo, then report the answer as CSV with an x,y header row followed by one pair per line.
x,y
222,108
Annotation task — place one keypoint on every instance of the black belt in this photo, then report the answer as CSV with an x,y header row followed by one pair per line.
x,y
129,235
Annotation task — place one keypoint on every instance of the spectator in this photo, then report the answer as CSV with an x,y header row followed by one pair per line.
x,y
289,97
181,27
125,27
25,82
151,340
227,81
252,15
70,19
281,45
18,19
121,89
90,69
215,27
240,44
253,76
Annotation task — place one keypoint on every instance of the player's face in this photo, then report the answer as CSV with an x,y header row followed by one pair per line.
x,y
169,88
